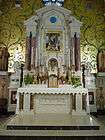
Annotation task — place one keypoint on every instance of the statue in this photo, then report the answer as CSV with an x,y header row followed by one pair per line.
x,y
4,55
101,61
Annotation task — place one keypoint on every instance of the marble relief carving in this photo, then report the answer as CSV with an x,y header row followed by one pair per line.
x,y
52,101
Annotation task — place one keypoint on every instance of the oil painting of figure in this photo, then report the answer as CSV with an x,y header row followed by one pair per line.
x,y
53,41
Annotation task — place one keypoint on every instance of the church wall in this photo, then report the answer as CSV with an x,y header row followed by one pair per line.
x,y
100,96
100,80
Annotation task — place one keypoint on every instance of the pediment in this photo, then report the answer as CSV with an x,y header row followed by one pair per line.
x,y
45,11
56,8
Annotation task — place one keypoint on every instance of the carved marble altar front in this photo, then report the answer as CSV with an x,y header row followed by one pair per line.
x,y
65,99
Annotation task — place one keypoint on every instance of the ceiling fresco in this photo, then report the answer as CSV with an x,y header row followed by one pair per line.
x,y
90,12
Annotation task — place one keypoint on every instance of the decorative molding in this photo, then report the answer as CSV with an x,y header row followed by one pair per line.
x,y
65,89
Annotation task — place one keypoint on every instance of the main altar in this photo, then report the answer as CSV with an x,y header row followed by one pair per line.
x,y
51,79
63,100
49,88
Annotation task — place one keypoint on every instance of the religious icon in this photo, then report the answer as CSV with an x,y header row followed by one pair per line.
x,y
53,41
13,97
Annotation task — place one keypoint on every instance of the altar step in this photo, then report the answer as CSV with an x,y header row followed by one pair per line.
x,y
20,127
52,122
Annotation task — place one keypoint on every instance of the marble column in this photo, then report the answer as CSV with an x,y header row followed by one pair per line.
x,y
31,43
0,59
33,54
34,100
21,101
30,52
26,106
26,51
5,56
98,69
78,102
78,110
32,96
3,59
17,106
74,101
72,56
71,103
87,104
77,52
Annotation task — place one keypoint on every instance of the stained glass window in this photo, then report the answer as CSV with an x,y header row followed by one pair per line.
x,y
57,2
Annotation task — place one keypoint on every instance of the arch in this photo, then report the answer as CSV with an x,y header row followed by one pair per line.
x,y
52,58
53,63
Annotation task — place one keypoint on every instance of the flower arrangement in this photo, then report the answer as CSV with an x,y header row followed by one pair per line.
x,y
76,81
28,79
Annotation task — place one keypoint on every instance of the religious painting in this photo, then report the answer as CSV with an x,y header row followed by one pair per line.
x,y
53,41
13,97
91,98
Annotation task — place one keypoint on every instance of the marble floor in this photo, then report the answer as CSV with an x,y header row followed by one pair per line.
x,y
53,120
46,120
101,121
4,119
